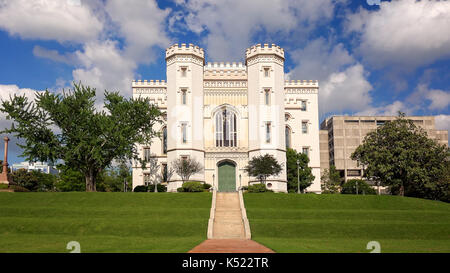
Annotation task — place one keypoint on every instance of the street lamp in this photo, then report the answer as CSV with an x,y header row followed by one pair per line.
x,y
298,176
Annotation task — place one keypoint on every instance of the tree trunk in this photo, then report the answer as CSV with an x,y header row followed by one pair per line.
x,y
156,186
90,182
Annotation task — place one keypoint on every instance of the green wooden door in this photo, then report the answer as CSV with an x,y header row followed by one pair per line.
x,y
227,177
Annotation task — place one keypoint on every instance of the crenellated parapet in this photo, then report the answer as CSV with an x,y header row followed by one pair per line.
x,y
190,49
301,83
150,83
264,50
224,66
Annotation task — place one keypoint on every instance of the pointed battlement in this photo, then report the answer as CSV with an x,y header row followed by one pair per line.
x,y
224,65
301,83
265,49
183,49
151,83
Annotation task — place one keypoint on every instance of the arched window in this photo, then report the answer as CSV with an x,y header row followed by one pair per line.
x,y
226,133
288,137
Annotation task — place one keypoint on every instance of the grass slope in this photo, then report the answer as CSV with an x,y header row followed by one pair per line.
x,y
346,223
103,222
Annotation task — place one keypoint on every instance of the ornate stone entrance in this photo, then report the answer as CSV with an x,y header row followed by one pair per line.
x,y
227,176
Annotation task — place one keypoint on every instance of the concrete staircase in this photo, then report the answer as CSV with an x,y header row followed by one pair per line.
x,y
228,222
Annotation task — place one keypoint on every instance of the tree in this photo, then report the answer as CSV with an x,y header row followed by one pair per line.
x,y
330,180
262,167
357,186
402,157
70,180
186,167
304,174
124,174
154,172
68,127
34,180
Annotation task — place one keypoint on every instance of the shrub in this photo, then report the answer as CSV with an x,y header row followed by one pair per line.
x,y
193,186
180,189
363,188
207,186
161,188
141,188
256,188
18,188
244,188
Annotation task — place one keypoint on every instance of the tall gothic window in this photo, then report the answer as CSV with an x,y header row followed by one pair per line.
x,y
226,128
288,137
164,142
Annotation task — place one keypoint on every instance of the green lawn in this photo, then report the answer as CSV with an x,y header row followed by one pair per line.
x,y
103,222
346,223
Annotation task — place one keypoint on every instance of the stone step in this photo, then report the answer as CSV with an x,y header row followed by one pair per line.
x,y
228,219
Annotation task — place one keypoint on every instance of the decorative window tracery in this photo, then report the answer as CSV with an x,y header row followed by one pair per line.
x,y
225,128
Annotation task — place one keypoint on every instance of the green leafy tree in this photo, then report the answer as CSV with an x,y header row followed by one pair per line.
x,y
262,167
34,180
68,127
304,174
331,180
70,180
357,186
402,157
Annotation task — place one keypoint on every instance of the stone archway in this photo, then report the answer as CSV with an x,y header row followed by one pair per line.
x,y
226,171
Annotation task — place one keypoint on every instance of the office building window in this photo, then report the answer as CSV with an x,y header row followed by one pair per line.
x,y
288,137
147,179
147,154
164,142
268,125
184,132
304,127
267,96
303,105
183,96
164,172
183,71
305,150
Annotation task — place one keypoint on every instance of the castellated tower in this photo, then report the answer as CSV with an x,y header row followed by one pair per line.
x,y
185,107
224,114
266,98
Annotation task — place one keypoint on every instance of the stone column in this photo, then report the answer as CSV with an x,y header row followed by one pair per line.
x,y
4,175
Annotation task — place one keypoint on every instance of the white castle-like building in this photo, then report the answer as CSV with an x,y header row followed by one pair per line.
x,y
224,114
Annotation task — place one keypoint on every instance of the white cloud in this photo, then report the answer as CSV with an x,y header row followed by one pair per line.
x,y
49,20
7,91
386,110
102,62
342,80
230,25
405,34
104,66
437,99
53,55
141,23
442,122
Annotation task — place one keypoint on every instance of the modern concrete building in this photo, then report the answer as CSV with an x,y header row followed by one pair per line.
x,y
35,166
224,114
341,135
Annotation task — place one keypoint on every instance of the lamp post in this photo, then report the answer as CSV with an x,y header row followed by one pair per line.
x,y
298,176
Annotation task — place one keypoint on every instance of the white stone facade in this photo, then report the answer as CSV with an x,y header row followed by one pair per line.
x,y
227,113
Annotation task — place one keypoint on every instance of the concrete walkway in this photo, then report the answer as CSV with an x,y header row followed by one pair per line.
x,y
230,246
228,219
228,229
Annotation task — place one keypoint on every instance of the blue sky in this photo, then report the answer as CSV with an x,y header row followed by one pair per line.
x,y
369,58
